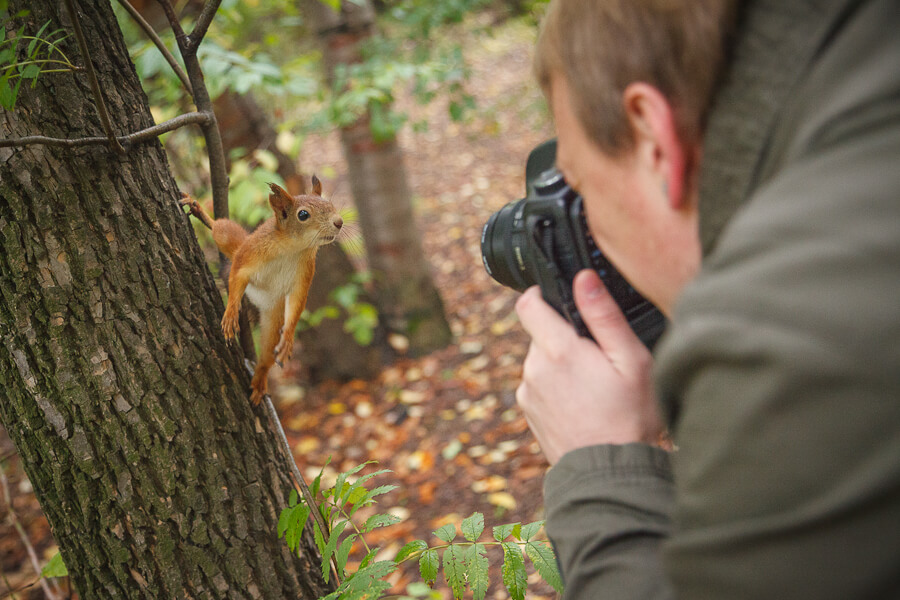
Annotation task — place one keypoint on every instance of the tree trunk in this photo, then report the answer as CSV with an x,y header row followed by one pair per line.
x,y
407,299
326,351
128,409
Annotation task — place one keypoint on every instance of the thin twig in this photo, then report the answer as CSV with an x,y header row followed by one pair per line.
x,y
298,477
157,41
218,173
92,77
203,22
143,135
14,520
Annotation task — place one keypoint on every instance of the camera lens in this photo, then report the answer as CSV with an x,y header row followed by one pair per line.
x,y
503,247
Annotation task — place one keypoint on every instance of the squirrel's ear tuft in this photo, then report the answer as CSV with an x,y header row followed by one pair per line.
x,y
317,186
280,200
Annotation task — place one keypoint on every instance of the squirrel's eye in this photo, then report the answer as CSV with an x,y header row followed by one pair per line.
x,y
303,215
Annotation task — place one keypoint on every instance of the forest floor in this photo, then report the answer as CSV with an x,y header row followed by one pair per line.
x,y
446,425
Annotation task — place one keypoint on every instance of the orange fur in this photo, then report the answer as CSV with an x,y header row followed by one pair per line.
x,y
274,267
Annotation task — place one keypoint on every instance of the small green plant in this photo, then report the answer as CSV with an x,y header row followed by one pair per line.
x,y
464,562
42,54
362,317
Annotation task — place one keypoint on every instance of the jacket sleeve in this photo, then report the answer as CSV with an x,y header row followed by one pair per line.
x,y
785,355
607,512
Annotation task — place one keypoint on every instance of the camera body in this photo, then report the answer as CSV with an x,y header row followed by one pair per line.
x,y
544,239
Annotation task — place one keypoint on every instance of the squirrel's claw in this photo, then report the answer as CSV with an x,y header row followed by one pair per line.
x,y
283,351
230,324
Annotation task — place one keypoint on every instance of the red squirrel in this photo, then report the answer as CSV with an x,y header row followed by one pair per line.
x,y
274,267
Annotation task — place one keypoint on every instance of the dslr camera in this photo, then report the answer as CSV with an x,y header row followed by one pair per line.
x,y
543,239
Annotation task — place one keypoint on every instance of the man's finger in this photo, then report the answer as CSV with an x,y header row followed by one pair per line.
x,y
547,328
603,317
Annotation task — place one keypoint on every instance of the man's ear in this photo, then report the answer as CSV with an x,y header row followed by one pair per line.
x,y
657,141
280,201
317,186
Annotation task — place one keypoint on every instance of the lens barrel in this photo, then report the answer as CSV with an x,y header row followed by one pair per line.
x,y
503,247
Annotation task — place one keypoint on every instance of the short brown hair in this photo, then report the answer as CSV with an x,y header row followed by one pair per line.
x,y
600,46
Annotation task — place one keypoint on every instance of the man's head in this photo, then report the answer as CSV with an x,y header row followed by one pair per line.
x,y
629,82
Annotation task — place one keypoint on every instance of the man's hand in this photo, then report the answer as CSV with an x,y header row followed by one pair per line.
x,y
576,393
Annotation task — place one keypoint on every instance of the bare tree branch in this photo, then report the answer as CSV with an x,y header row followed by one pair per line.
x,y
218,173
203,22
157,41
143,135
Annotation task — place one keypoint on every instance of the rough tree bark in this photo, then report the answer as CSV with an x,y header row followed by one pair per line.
x,y
408,301
127,407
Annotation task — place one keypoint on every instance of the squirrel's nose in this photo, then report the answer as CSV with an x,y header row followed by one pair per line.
x,y
338,222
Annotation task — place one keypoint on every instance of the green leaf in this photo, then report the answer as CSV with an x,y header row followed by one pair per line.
x,y
531,530
296,522
357,493
31,72
55,567
368,557
382,489
513,571
331,546
446,533
501,532
346,295
339,487
380,521
343,552
455,570
456,111
30,51
472,526
317,482
7,94
292,498
544,561
410,549
283,520
478,567
417,589
317,536
429,563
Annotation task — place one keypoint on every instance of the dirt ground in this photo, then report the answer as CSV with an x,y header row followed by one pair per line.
x,y
446,425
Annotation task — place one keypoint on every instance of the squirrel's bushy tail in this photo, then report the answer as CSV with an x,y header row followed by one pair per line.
x,y
228,236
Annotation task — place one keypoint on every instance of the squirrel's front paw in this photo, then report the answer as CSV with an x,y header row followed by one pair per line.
x,y
283,351
230,323
257,395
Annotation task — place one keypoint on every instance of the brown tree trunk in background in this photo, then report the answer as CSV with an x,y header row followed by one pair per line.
x,y
128,409
326,351
408,301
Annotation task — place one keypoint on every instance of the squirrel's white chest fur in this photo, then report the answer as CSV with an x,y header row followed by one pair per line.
x,y
274,280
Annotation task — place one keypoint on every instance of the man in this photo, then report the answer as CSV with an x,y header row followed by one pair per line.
x,y
768,229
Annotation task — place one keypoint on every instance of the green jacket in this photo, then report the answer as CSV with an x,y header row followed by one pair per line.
x,y
780,375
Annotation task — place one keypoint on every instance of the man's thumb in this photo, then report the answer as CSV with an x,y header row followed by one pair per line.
x,y
601,314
